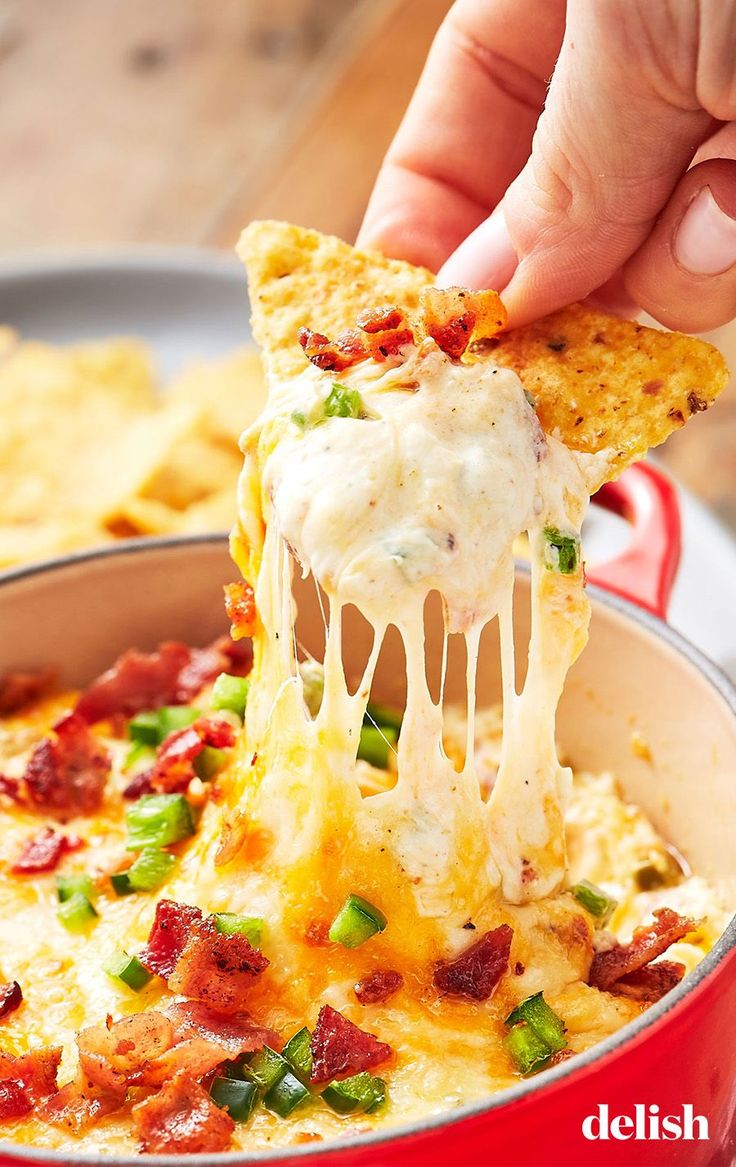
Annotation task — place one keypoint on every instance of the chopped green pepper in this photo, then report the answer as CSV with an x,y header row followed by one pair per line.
x,y
266,1067
230,923
235,1095
375,744
139,755
157,820
544,1021
356,922
561,551
526,1048
229,692
595,900
343,402
285,1095
76,913
362,1092
121,884
209,762
128,969
298,1053
150,869
154,725
69,885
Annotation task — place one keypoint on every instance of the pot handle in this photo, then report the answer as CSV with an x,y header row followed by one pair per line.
x,y
645,571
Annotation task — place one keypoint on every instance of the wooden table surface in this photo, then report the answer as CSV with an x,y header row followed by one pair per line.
x,y
177,121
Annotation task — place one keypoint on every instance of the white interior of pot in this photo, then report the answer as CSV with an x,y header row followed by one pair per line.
x,y
628,681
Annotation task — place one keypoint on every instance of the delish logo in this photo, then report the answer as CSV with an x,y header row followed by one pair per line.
x,y
647,1124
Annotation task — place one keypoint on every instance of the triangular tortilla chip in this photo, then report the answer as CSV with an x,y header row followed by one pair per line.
x,y
599,382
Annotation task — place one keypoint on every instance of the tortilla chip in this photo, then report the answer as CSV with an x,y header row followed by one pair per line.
x,y
230,392
193,468
600,383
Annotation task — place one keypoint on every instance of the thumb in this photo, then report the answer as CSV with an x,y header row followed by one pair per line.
x,y
613,141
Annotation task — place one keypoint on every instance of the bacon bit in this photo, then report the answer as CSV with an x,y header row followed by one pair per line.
x,y
137,681
138,786
172,926
651,983
11,998
43,851
240,605
224,655
647,943
378,986
77,1107
561,1055
10,787
236,1034
316,934
333,356
26,1080
172,675
455,316
20,689
14,1101
477,971
380,319
340,1048
182,1119
66,773
173,769
381,333
112,1058
215,968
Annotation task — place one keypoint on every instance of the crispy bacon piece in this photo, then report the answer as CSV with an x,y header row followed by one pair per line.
x,y
173,769
182,1119
340,1048
381,333
172,675
647,943
477,971
15,1102
378,986
11,998
20,689
26,1080
333,356
78,1106
111,1058
387,316
217,969
455,316
651,983
240,605
43,851
224,655
236,1033
137,681
66,773
171,928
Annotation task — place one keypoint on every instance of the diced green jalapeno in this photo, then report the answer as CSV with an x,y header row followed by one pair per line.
x,y
356,922
286,1095
150,869
375,744
527,1050
266,1067
561,551
209,762
121,884
544,1021
595,900
152,726
237,1096
229,692
76,913
230,923
129,970
362,1093
69,885
299,1055
343,402
158,820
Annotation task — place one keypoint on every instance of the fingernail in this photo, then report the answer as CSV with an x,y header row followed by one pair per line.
x,y
705,242
486,259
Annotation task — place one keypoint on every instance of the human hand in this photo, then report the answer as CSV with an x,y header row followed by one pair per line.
x,y
624,187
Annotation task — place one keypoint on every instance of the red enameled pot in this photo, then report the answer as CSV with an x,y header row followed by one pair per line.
x,y
635,675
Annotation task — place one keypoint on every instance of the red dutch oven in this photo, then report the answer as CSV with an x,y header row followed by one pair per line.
x,y
636,675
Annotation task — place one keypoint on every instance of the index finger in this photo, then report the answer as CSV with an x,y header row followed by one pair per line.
x,y
468,129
